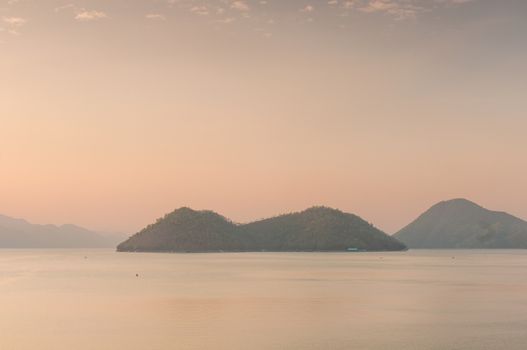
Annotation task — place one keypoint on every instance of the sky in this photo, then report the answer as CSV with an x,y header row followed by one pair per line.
x,y
115,112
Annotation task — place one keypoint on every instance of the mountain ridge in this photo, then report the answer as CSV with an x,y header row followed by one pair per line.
x,y
314,229
460,223
19,233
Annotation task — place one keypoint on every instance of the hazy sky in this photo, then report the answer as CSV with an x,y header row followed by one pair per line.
x,y
114,112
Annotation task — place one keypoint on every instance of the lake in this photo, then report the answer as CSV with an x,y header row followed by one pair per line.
x,y
99,299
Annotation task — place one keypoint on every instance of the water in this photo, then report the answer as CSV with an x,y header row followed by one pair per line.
x,y
74,299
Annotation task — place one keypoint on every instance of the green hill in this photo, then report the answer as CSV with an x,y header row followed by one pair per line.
x,y
460,223
187,230
315,229
319,229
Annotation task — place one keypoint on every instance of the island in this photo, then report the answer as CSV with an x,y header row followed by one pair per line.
x,y
315,229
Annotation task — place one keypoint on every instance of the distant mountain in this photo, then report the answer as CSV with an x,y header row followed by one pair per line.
x,y
460,223
315,229
18,233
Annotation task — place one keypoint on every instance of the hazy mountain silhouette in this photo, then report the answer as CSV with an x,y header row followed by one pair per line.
x,y
460,223
315,229
18,233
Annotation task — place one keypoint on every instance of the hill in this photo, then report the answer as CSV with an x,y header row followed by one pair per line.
x,y
187,230
19,233
460,223
319,229
315,229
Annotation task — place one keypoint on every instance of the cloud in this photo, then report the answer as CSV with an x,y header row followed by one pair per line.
x,y
349,4
378,5
14,21
240,6
399,9
226,11
93,15
453,2
155,17
226,20
308,8
200,10
64,7
13,24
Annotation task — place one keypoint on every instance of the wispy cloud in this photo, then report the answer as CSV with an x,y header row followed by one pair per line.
x,y
92,15
155,17
15,21
227,20
308,8
13,24
200,10
64,7
398,9
453,2
228,11
240,6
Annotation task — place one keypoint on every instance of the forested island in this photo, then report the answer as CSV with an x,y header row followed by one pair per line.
x,y
314,229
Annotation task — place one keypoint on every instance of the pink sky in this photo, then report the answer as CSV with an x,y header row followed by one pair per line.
x,y
112,115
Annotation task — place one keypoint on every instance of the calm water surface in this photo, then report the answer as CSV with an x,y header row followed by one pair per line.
x,y
74,299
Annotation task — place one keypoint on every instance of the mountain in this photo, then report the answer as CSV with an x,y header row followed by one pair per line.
x,y
315,229
187,230
460,223
18,233
319,229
